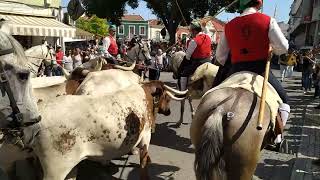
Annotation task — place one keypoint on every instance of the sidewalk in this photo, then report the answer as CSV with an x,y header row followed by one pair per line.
x,y
309,149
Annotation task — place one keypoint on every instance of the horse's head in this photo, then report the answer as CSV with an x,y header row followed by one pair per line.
x,y
140,51
16,100
38,54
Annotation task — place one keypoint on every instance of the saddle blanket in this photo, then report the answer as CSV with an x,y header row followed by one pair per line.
x,y
254,83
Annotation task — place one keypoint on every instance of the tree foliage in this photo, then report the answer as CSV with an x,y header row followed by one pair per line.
x,y
166,10
93,25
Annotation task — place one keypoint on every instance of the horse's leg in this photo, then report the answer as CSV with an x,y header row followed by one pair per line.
x,y
181,113
191,107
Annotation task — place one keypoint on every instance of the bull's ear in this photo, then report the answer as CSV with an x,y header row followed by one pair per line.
x,y
156,91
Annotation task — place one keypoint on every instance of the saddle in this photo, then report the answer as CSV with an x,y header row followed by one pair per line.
x,y
253,82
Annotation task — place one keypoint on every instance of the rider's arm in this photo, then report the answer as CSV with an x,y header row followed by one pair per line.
x,y
192,46
278,42
222,50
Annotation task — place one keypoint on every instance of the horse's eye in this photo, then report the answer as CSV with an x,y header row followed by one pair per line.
x,y
23,75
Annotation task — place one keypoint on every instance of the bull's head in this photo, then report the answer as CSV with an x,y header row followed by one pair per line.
x,y
161,95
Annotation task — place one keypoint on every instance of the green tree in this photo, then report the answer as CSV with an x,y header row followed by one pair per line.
x,y
93,25
166,10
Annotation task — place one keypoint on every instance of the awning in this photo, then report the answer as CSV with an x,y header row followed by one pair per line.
x,y
37,26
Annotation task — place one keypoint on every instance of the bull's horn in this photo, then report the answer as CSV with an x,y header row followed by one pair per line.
x,y
66,73
142,77
126,68
175,98
177,92
85,72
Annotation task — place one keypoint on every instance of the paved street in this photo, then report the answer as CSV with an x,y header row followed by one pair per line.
x,y
172,156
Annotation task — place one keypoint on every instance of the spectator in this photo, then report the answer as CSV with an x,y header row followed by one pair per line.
x,y
159,59
59,55
77,59
291,62
283,66
67,61
307,65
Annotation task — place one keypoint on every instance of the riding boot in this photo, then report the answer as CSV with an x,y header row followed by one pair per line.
x,y
284,110
183,83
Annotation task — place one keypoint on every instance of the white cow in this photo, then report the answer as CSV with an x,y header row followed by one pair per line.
x,y
107,81
99,128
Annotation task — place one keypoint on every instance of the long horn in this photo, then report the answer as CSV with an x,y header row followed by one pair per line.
x,y
141,78
66,73
175,98
177,92
126,68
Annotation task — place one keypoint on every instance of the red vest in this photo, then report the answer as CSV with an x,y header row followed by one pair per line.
x,y
247,37
113,48
203,49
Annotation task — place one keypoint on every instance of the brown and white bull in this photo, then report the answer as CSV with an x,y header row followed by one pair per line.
x,y
99,128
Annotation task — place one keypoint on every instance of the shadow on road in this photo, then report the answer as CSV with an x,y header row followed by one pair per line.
x,y
156,172
274,169
172,140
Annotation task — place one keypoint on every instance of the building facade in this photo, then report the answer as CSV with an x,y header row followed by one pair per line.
x,y
304,22
155,27
32,21
133,25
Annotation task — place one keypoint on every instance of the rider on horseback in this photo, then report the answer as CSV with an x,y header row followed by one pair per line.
x,y
198,52
110,46
248,39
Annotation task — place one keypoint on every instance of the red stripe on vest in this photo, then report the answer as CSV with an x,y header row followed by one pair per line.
x,y
113,48
248,37
203,49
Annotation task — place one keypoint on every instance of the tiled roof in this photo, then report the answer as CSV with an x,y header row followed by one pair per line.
x,y
129,17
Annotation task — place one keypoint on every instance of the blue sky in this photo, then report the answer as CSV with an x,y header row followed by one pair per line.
x,y
283,9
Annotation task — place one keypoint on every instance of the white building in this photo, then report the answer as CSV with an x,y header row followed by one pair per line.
x,y
32,21
155,27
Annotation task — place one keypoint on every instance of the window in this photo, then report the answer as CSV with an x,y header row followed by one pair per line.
x,y
131,31
121,30
142,30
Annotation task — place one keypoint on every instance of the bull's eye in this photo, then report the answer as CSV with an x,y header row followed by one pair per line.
x,y
23,75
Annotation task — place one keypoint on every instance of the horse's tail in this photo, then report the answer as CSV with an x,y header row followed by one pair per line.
x,y
208,162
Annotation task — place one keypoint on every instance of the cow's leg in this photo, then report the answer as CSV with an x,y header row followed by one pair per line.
x,y
144,155
57,171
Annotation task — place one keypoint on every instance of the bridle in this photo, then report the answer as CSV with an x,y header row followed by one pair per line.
x,y
5,88
14,129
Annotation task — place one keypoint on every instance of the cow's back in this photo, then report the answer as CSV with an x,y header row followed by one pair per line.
x,y
108,81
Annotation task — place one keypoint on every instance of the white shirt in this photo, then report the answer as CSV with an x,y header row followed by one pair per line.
x,y
192,46
68,63
106,44
278,42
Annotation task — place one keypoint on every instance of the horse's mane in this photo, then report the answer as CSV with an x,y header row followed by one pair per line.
x,y
6,42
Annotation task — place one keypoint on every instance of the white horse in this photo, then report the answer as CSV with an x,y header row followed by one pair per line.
x,y
36,56
17,105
